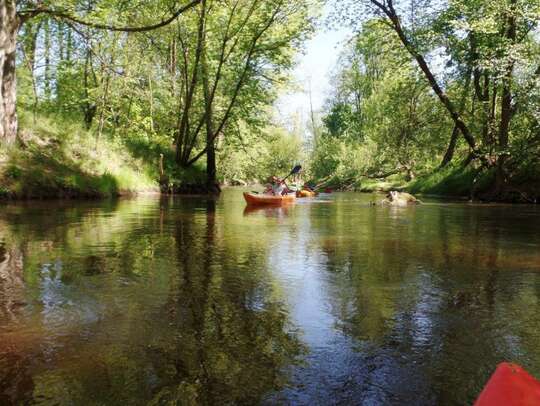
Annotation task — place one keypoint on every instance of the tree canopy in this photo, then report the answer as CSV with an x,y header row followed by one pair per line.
x,y
429,83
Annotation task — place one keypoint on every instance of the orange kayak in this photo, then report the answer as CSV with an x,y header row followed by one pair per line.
x,y
510,385
254,199
305,193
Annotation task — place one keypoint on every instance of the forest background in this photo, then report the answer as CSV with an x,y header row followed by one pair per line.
x,y
431,97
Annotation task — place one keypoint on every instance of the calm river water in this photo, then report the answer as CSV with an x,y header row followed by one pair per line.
x,y
329,301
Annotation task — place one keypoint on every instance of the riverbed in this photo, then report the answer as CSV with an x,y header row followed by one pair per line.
x,y
202,301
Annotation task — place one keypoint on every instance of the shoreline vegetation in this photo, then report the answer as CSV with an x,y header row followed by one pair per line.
x,y
66,161
89,109
53,161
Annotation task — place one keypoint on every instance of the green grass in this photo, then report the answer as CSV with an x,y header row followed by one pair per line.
x,y
451,181
57,158
142,148
377,185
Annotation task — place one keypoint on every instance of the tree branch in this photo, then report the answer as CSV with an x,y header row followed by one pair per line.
x,y
390,12
239,83
27,14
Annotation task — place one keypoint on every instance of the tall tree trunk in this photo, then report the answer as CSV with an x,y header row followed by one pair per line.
x,y
61,42
388,9
506,104
211,182
31,33
449,154
183,139
47,50
172,65
151,101
60,38
69,45
9,25
238,87
89,109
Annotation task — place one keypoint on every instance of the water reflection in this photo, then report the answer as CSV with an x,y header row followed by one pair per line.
x,y
269,211
413,304
160,309
227,341
198,301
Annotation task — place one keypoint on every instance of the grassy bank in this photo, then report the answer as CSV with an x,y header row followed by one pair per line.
x,y
451,181
454,181
382,185
523,184
55,158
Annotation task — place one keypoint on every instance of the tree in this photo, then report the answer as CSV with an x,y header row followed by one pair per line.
x,y
480,62
507,19
9,26
240,49
11,19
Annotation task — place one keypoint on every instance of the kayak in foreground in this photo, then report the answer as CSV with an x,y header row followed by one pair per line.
x,y
254,199
510,385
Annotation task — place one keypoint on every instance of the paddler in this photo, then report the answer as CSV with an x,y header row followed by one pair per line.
x,y
276,187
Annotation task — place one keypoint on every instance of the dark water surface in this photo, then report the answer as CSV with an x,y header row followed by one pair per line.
x,y
331,301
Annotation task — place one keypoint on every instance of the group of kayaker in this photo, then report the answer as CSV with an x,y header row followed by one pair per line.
x,y
278,187
277,192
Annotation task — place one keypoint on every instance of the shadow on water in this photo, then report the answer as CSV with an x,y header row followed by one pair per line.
x,y
201,301
157,308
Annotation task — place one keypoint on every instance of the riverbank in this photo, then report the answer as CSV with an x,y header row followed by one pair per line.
x,y
56,158
455,182
523,185
59,159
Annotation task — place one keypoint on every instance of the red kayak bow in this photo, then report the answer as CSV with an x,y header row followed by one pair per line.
x,y
510,385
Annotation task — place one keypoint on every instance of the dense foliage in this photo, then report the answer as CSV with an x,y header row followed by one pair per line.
x,y
201,80
423,92
424,85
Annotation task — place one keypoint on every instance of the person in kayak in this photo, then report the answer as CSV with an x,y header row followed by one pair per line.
x,y
276,187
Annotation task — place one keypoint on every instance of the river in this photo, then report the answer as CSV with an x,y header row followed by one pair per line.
x,y
199,301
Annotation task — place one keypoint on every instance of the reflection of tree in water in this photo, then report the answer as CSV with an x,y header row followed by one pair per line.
x,y
427,298
196,324
11,282
14,386
231,342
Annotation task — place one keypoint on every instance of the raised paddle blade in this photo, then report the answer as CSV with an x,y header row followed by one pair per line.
x,y
296,169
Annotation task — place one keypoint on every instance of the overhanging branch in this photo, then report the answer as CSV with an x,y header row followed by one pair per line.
x,y
26,14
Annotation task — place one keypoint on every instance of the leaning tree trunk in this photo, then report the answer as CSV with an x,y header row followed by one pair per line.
x,y
8,85
211,181
449,154
455,132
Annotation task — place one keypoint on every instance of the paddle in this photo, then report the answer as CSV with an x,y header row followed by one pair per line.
x,y
296,169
